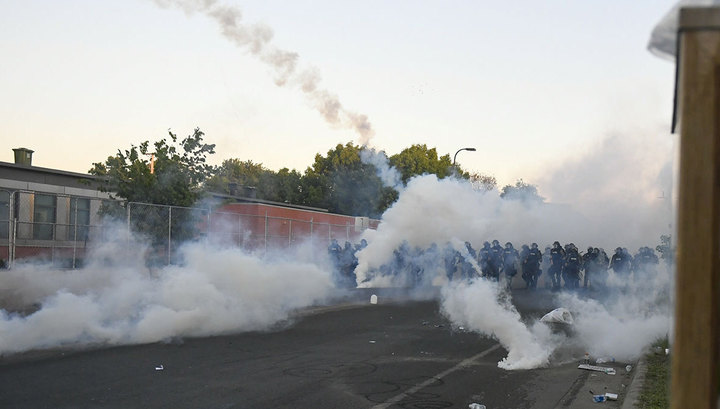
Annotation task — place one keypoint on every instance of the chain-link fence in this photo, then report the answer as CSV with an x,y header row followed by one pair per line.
x,y
61,228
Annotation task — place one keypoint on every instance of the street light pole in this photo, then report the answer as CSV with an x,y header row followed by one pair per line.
x,y
462,149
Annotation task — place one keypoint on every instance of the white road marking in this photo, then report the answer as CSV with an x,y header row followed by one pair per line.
x,y
462,364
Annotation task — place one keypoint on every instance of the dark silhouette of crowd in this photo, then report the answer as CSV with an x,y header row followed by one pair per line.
x,y
566,266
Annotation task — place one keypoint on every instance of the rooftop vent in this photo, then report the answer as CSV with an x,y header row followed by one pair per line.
x,y
23,156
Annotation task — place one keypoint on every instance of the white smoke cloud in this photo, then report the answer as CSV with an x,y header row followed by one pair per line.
x,y
389,176
482,307
606,197
115,300
257,39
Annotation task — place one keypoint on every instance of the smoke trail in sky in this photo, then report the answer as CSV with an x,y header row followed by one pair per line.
x,y
257,39
115,300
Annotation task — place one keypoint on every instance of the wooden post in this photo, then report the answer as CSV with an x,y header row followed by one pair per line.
x,y
695,345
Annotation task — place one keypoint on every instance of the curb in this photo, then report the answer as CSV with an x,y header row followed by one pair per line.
x,y
636,385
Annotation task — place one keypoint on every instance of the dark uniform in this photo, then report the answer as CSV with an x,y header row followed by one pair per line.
x,y
531,266
495,262
557,260
510,261
571,268
484,259
621,262
588,261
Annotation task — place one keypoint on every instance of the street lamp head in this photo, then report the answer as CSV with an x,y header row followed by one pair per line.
x,y
460,150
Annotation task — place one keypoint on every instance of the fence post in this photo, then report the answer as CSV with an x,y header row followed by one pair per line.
x,y
127,236
290,234
169,233
695,359
75,233
14,237
209,219
12,231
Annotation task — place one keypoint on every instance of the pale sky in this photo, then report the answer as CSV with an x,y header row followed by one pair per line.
x,y
528,83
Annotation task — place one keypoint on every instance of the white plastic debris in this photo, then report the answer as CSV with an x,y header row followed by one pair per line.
x,y
609,371
159,368
611,396
477,406
372,342
558,315
373,299
628,368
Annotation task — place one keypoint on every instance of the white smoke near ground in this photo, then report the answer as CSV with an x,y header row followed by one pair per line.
x,y
630,315
257,39
483,307
609,196
116,299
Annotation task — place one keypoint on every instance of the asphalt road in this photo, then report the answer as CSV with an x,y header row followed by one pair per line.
x,y
396,354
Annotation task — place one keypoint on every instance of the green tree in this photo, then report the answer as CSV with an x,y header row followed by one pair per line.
x,y
419,160
179,170
164,173
243,174
341,183
289,185
482,182
665,248
521,191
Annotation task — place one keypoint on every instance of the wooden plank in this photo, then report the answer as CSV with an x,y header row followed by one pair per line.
x,y
695,345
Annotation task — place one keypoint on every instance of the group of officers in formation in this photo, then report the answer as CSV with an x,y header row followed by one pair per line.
x,y
565,265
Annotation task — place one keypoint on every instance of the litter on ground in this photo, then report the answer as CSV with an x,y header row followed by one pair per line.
x,y
558,315
609,371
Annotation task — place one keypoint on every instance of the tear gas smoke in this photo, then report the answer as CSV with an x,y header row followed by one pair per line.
x,y
611,199
115,300
481,306
389,176
257,39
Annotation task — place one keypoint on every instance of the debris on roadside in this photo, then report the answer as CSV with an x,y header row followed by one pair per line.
x,y
558,316
611,396
477,406
605,369
159,368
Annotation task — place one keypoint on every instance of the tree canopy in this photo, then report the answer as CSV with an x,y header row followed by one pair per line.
x,y
338,181
521,191
179,170
419,160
